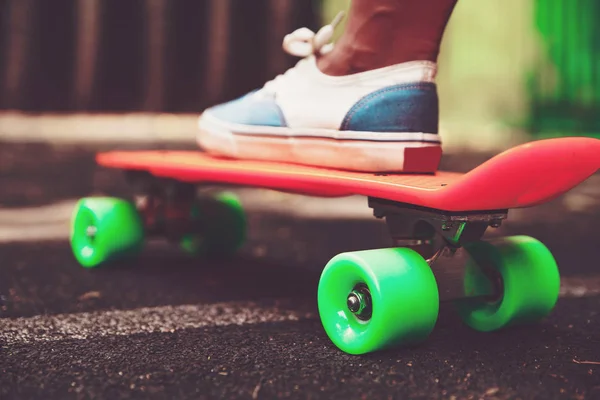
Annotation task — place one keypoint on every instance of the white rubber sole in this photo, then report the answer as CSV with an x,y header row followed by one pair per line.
x,y
357,151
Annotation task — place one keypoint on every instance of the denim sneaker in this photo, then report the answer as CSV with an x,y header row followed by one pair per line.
x,y
383,120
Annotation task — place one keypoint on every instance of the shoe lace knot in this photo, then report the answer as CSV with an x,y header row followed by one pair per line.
x,y
305,43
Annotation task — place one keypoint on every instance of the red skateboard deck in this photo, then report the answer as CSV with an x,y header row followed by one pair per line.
x,y
523,176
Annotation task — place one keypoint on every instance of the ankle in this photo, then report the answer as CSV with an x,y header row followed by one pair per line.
x,y
381,33
354,58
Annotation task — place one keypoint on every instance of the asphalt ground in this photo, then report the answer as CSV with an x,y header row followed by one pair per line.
x,y
168,326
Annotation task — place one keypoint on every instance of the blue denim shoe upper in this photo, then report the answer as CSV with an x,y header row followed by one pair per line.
x,y
411,107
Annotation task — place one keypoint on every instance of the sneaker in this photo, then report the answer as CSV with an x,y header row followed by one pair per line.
x,y
383,120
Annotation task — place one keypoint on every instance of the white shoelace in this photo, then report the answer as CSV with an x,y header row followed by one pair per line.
x,y
304,43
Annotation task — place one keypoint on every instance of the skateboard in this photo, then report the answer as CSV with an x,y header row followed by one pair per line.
x,y
372,299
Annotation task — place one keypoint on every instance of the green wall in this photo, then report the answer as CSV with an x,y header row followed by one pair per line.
x,y
566,93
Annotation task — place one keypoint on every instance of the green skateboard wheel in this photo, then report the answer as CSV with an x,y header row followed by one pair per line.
x,y
103,229
376,299
223,226
527,278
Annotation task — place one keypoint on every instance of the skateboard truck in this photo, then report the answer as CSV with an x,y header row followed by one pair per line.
x,y
164,204
439,237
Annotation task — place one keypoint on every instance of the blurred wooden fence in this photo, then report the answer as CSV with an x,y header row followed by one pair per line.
x,y
141,55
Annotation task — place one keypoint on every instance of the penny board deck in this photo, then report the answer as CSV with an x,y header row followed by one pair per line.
x,y
523,176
